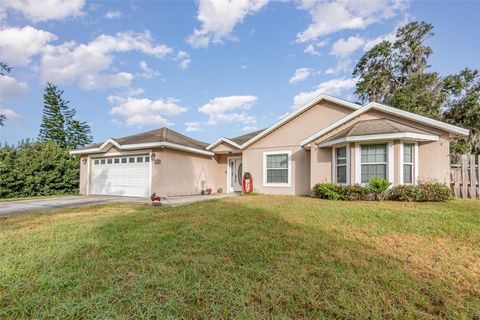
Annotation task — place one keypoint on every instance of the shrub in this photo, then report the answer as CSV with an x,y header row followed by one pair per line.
x,y
429,191
330,191
356,192
378,187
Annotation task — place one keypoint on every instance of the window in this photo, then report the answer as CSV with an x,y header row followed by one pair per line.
x,y
276,169
139,159
131,160
103,161
124,160
373,162
96,161
340,165
147,159
408,162
109,161
116,160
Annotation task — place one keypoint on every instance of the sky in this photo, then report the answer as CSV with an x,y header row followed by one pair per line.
x,y
206,68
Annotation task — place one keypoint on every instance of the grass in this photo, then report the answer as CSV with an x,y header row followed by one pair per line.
x,y
244,257
36,197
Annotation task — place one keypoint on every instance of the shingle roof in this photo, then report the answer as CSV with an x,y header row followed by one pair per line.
x,y
244,138
158,135
375,126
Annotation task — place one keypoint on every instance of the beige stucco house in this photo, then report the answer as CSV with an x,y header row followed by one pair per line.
x,y
327,140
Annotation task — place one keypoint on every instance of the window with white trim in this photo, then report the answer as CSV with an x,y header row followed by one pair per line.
x,y
277,168
408,162
374,162
341,165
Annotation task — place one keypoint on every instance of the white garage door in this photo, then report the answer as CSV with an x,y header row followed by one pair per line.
x,y
121,176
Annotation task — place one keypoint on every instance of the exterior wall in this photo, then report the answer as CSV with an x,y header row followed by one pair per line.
x,y
83,174
224,147
183,173
433,157
287,138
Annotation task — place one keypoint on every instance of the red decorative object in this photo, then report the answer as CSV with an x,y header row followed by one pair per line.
x,y
247,183
154,197
209,191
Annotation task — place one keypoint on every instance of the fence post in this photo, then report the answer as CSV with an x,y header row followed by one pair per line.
x,y
464,176
473,176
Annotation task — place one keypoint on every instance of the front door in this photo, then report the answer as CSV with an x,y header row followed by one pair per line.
x,y
235,174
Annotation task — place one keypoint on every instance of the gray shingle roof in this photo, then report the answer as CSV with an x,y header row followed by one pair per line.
x,y
375,126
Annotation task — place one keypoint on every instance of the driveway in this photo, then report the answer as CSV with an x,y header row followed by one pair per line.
x,y
13,207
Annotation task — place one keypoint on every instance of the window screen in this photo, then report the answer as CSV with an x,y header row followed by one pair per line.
x,y
407,162
374,162
341,165
277,168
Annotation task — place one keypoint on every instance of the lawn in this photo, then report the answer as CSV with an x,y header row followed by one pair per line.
x,y
244,257
36,197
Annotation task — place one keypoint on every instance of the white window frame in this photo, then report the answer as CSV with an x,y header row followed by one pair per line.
x,y
358,161
289,174
414,163
334,164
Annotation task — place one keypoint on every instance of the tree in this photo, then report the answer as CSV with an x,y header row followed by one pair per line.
x,y
58,122
462,107
4,69
395,73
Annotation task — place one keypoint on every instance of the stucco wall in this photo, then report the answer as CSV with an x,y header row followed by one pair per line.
x,y
83,175
182,173
287,138
434,160
225,147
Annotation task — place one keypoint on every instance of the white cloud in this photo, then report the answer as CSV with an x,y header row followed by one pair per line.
x,y
18,45
113,14
9,113
183,59
87,64
192,126
219,18
147,72
143,111
333,16
333,87
10,88
343,65
312,47
300,75
38,11
229,109
344,48
249,128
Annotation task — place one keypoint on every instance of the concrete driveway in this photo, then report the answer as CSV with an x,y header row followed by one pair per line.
x,y
13,207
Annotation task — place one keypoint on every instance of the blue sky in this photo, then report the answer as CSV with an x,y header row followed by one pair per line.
x,y
204,68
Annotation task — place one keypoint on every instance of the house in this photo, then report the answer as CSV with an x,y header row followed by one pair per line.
x,y
327,140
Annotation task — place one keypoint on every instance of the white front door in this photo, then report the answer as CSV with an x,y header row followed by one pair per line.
x,y
235,174
127,175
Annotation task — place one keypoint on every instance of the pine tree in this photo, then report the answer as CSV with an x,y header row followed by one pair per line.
x,y
59,124
4,69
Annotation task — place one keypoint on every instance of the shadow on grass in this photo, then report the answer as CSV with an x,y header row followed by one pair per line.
x,y
215,260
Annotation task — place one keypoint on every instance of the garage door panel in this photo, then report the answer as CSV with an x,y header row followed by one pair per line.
x,y
121,177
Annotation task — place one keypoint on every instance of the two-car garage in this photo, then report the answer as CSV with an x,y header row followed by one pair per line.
x,y
121,175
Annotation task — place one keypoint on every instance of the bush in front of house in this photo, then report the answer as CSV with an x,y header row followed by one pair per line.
x,y
377,189
423,192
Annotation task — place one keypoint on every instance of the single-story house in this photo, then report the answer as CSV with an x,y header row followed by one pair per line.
x,y
327,140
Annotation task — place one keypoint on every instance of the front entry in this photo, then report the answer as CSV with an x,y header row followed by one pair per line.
x,y
235,174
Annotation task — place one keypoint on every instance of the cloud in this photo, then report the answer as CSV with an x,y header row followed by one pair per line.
x,y
87,64
113,14
10,88
9,113
38,11
18,45
300,75
249,128
192,126
343,65
147,72
333,87
229,109
219,18
311,48
183,59
333,16
143,111
344,48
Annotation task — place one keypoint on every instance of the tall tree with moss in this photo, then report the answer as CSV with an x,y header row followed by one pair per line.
x,y
4,69
58,121
395,73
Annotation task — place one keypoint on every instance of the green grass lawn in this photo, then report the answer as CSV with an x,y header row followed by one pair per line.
x,y
244,257
36,197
